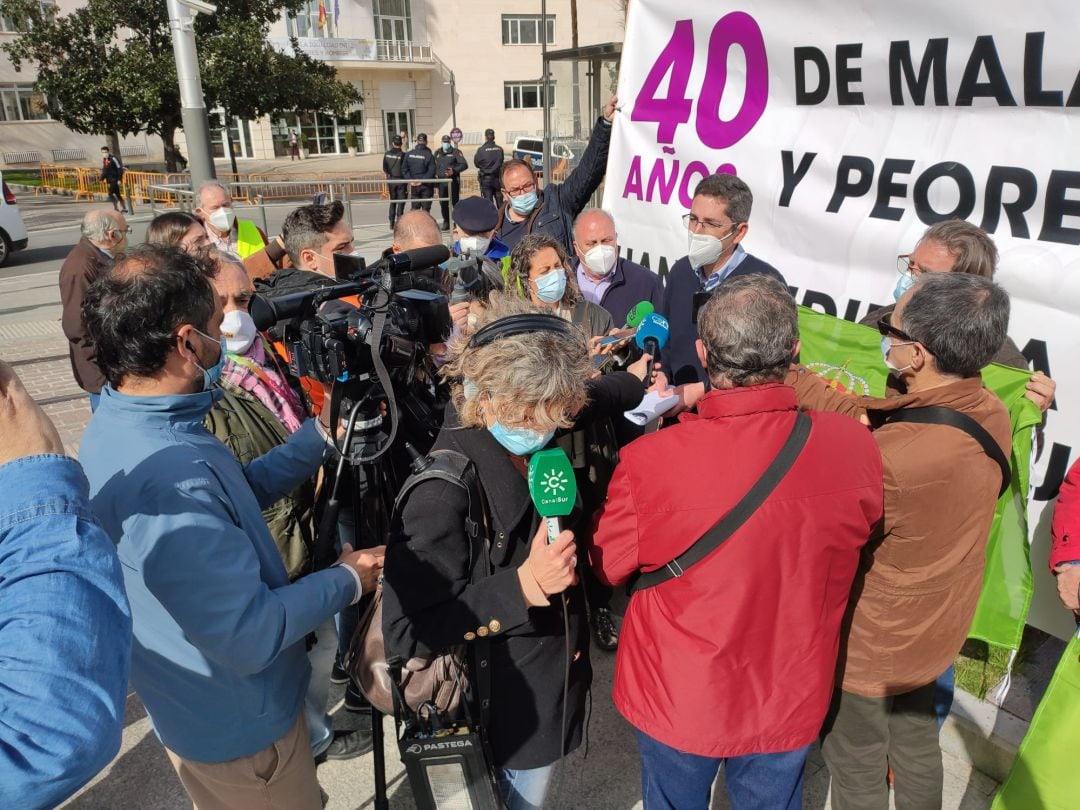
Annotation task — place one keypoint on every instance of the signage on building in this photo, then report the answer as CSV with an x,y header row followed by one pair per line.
x,y
455,135
330,49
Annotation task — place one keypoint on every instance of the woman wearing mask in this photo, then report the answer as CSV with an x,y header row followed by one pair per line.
x,y
512,390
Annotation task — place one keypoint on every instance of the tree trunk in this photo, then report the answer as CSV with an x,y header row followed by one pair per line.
x,y
228,143
114,143
167,138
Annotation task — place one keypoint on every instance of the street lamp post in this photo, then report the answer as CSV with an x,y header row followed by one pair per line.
x,y
192,104
453,99
547,92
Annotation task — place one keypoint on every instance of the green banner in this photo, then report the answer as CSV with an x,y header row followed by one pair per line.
x,y
1044,774
848,356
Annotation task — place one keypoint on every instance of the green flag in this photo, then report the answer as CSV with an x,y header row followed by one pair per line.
x,y
1044,774
848,356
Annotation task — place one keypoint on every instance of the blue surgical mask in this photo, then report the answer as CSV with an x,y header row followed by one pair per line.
x,y
213,374
524,203
886,345
903,284
520,441
551,286
447,147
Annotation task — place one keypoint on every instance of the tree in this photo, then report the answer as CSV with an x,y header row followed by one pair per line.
x,y
108,66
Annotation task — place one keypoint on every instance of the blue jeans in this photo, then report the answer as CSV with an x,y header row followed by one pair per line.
x,y
944,689
94,400
672,779
525,789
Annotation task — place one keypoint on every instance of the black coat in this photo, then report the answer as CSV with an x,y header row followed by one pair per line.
x,y
429,605
453,161
392,164
488,159
419,164
630,285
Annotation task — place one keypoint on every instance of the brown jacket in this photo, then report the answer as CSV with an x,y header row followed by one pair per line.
x,y
79,270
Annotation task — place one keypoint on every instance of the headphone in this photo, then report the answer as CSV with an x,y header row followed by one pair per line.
x,y
518,325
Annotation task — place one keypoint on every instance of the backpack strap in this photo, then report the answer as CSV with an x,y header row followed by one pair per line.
x,y
937,415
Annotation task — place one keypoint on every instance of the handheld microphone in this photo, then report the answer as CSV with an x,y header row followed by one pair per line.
x,y
638,313
652,335
553,488
419,259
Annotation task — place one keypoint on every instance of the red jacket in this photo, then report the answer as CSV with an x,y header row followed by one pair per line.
x,y
1065,528
738,655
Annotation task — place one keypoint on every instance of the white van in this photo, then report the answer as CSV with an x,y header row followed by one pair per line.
x,y
532,151
12,231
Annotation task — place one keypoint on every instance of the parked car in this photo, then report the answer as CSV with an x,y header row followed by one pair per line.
x,y
12,231
531,150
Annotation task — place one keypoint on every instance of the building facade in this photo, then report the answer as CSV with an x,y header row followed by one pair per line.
x,y
420,66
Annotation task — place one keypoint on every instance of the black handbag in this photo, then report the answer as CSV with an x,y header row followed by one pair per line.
x,y
729,523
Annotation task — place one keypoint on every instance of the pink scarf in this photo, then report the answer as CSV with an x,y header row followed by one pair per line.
x,y
256,373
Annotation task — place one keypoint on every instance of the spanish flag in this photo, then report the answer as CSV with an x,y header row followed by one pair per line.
x,y
322,13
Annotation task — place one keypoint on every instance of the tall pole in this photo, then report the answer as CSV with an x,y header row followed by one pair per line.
x,y
192,104
546,84
453,100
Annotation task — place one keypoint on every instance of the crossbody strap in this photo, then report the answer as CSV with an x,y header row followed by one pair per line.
x,y
937,415
729,523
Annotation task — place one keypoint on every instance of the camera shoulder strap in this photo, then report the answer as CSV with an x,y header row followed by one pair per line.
x,y
740,513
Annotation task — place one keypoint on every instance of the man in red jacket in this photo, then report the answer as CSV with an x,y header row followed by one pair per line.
x,y
1065,530
733,661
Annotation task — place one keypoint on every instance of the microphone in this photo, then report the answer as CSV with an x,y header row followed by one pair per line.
x,y
637,314
553,488
419,259
652,335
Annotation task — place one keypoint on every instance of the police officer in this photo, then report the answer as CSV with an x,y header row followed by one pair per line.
x,y
488,162
475,221
419,166
449,164
392,166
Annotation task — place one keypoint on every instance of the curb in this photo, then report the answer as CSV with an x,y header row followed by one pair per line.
x,y
982,734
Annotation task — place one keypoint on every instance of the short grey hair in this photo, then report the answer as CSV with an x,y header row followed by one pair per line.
x,y
97,224
961,319
733,191
209,184
749,328
601,211
974,251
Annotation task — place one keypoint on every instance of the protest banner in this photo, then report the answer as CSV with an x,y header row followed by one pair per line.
x,y
857,125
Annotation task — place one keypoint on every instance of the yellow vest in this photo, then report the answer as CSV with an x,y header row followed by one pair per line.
x,y
248,238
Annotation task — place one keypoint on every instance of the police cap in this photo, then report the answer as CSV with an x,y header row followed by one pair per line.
x,y
397,140
475,215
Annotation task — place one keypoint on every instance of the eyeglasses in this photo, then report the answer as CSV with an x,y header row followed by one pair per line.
x,y
691,222
904,264
522,189
885,327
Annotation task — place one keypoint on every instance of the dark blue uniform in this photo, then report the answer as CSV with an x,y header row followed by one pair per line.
x,y
420,165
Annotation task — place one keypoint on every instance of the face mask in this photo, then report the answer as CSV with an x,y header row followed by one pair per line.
x,y
601,259
706,249
239,330
551,286
520,441
474,244
886,345
222,219
903,284
447,147
524,203
213,374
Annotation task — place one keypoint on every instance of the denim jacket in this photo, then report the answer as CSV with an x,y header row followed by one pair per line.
x,y
65,635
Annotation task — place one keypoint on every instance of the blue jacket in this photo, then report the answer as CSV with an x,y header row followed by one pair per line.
x,y
219,658
65,635
630,284
679,356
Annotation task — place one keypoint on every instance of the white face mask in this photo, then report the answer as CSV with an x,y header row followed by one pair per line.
x,y
601,259
474,245
222,219
239,331
706,249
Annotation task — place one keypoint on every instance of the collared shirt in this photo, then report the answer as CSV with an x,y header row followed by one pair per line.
x,y
65,632
708,282
593,291
230,245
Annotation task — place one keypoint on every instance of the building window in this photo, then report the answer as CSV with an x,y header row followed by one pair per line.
x,y
21,102
525,95
306,22
524,29
8,26
393,20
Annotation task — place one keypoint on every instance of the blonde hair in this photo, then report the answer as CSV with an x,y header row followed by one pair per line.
x,y
521,259
534,377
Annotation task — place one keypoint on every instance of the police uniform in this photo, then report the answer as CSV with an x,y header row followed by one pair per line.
x,y
488,161
449,163
392,166
420,165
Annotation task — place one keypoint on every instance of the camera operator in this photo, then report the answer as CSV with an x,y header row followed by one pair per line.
x,y
219,659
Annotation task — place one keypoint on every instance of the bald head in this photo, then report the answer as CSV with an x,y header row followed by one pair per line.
x,y
105,229
416,229
592,228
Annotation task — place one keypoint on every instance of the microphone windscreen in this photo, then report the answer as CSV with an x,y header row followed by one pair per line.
x,y
638,312
652,327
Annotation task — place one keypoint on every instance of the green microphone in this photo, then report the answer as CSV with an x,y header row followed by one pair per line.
x,y
553,488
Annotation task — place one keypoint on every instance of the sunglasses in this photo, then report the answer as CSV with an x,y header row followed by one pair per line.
x,y
885,327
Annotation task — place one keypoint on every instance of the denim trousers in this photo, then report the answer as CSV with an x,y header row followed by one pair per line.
x,y
525,789
680,781
321,656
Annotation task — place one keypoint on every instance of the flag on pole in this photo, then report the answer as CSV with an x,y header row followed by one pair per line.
x,y
337,11
322,13
848,356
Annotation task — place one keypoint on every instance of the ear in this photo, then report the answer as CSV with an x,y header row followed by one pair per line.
x,y
308,260
797,350
183,343
702,356
740,233
920,357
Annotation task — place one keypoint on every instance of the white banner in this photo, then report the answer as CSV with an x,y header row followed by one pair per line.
x,y
329,49
856,125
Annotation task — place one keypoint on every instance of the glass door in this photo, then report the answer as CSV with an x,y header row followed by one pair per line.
x,y
397,121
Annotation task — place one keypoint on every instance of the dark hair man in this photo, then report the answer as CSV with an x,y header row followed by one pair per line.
x,y
488,161
393,168
420,166
779,584
552,210
219,660
314,233
112,173
919,583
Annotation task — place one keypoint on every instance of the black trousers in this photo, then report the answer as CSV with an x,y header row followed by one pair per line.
x,y
419,193
455,195
397,192
116,193
863,737
491,189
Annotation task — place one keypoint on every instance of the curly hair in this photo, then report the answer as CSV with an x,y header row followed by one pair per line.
x,y
535,377
521,260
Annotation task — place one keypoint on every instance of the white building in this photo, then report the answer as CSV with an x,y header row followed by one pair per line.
x,y
407,57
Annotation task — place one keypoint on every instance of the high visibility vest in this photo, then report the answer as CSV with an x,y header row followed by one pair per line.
x,y
248,238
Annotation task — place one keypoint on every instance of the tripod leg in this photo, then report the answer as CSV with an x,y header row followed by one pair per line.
x,y
378,760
